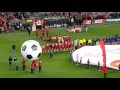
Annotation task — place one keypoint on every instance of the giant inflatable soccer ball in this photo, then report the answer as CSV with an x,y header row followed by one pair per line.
x,y
31,50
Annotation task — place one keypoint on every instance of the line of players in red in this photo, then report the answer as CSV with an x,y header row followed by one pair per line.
x,y
67,45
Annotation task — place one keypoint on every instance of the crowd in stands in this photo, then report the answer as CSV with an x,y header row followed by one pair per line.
x,y
13,15
14,20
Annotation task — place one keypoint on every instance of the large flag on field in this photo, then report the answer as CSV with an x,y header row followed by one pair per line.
x,y
34,27
104,68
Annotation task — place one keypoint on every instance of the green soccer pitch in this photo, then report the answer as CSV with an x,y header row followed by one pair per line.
x,y
59,66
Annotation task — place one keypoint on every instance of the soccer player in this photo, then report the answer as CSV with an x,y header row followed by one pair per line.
x,y
93,42
10,61
43,32
40,66
35,62
54,50
24,64
65,45
40,37
43,48
78,45
36,33
75,43
106,40
64,38
16,66
15,59
50,37
47,47
62,46
47,31
59,46
56,38
89,41
32,66
56,47
68,45
72,45
84,41
70,38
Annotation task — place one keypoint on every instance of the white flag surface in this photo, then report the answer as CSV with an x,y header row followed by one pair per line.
x,y
94,54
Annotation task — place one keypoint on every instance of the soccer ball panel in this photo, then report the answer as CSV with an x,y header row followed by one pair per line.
x,y
24,48
29,56
34,47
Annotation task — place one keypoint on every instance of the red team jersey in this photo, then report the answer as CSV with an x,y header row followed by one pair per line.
x,y
62,46
47,30
32,66
34,62
53,45
56,38
43,48
47,47
59,45
56,46
64,38
36,32
50,37
40,64
40,37
68,44
42,31
23,63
